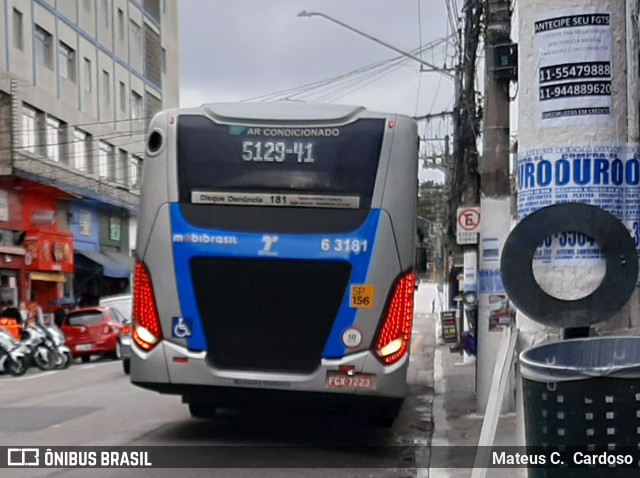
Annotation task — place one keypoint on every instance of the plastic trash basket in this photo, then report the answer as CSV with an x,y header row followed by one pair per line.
x,y
582,394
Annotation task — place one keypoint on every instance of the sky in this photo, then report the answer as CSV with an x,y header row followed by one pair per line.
x,y
238,50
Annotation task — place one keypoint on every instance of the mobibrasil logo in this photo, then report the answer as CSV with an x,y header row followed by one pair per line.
x,y
204,239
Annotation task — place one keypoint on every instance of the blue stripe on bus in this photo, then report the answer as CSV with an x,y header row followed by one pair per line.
x,y
189,241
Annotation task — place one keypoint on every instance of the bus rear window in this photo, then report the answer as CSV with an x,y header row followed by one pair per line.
x,y
278,165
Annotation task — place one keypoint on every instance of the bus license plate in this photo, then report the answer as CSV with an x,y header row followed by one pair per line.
x,y
358,381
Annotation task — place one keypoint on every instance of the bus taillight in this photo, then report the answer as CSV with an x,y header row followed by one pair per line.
x,y
395,334
146,322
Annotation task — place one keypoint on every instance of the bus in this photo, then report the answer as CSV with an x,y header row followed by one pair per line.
x,y
276,256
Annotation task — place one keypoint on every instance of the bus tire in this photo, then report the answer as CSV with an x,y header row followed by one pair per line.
x,y
202,410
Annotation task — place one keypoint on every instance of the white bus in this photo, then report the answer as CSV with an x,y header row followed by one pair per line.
x,y
275,256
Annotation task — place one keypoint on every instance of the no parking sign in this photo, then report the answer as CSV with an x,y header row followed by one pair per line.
x,y
468,225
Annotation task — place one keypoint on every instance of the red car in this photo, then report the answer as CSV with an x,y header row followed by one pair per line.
x,y
94,331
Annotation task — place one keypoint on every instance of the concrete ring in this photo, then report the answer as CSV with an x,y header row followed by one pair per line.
x,y
610,296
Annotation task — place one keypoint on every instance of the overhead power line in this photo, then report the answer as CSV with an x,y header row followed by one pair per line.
x,y
345,83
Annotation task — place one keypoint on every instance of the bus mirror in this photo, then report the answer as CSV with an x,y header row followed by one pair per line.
x,y
421,260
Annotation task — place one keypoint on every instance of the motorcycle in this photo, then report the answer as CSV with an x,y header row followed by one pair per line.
x,y
47,345
41,348
63,356
13,355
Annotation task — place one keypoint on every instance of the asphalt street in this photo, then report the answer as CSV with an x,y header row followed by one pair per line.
x,y
95,405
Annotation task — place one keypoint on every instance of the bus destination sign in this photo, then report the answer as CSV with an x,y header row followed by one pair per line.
x,y
264,199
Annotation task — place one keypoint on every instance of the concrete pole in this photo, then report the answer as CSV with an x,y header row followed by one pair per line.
x,y
589,127
561,122
494,199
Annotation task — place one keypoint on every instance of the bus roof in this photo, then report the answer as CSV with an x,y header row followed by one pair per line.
x,y
282,111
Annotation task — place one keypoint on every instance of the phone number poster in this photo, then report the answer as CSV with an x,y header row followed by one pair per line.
x,y
574,67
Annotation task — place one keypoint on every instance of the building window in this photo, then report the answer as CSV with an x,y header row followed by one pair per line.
x,y
44,47
123,97
136,105
134,169
135,37
67,62
106,87
88,84
106,12
29,129
163,59
53,132
121,24
18,33
105,159
80,150
121,167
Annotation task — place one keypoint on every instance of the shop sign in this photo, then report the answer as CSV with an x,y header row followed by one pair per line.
x,y
114,229
41,217
48,252
84,222
449,326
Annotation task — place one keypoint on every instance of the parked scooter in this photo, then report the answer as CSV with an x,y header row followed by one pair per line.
x,y
39,347
13,355
63,356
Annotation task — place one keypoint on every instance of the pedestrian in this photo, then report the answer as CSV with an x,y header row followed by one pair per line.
x,y
58,316
12,312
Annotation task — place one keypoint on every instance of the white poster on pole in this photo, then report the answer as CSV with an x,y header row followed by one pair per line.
x,y
574,67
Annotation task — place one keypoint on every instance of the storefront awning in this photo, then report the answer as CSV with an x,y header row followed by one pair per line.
x,y
48,276
110,267
123,259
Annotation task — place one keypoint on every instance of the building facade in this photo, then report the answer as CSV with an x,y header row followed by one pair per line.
x,y
79,81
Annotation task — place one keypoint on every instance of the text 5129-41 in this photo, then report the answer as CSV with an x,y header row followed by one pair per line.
x,y
277,151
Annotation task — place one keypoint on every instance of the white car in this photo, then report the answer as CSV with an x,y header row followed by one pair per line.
x,y
122,303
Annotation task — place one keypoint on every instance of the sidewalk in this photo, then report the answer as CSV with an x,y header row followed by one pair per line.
x,y
455,418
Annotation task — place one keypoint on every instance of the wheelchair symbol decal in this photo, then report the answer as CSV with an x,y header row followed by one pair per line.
x,y
181,327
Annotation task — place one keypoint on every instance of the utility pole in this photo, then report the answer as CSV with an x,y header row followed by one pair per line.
x,y
465,177
495,204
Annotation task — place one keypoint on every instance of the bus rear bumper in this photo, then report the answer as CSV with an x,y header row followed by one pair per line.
x,y
171,369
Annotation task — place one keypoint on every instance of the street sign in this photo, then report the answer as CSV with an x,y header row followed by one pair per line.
x,y
468,225
448,326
